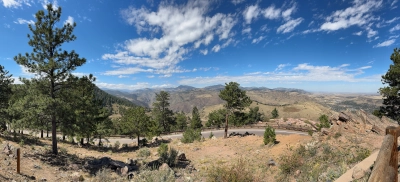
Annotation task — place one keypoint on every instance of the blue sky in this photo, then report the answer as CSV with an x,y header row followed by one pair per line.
x,y
328,46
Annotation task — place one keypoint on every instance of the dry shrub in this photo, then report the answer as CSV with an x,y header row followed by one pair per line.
x,y
238,172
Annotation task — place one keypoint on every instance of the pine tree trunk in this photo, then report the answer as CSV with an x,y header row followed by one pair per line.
x,y
100,140
47,134
88,139
81,141
63,137
138,141
226,127
41,133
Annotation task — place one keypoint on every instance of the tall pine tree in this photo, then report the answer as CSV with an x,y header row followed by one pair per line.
x,y
391,93
5,94
48,60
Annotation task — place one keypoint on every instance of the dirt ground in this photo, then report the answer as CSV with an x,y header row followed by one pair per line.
x,y
37,164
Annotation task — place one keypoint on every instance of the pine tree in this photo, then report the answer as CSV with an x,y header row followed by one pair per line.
x,y
275,113
136,122
236,100
391,93
216,118
5,94
195,122
181,121
269,135
162,114
48,60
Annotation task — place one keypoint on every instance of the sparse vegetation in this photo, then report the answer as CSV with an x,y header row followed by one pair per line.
x,y
239,171
211,135
168,156
323,122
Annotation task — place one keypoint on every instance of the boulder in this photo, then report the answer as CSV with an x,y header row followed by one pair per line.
x,y
181,156
271,162
325,131
343,117
213,138
124,171
358,173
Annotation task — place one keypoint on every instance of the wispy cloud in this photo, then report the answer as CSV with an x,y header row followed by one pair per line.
x,y
236,2
289,25
301,73
385,43
257,40
359,14
16,3
23,21
139,85
395,28
358,33
281,66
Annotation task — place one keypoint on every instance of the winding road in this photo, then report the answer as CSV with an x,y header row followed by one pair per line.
x,y
216,133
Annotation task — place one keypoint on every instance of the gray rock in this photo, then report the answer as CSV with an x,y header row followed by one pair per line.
x,y
181,156
271,162
124,171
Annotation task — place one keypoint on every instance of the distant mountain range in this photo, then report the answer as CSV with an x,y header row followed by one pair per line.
x,y
184,98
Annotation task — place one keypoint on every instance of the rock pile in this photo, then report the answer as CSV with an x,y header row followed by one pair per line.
x,y
240,135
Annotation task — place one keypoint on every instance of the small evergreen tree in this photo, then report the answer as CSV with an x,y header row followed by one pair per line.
x,y
191,135
275,113
195,122
269,135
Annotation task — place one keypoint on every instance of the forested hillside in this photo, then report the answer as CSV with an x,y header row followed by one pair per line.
x,y
108,99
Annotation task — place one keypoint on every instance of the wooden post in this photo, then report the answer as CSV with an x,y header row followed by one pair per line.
x,y
391,130
18,160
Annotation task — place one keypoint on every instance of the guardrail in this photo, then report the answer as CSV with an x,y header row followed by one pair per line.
x,y
386,163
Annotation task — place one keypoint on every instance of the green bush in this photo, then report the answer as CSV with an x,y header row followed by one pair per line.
x,y
323,122
269,135
166,156
144,152
337,135
190,135
154,176
211,135
310,132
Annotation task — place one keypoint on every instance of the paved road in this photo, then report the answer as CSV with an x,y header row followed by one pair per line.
x,y
205,134
216,133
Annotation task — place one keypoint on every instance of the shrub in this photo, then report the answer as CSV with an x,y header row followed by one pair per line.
x,y
106,175
323,122
211,135
144,152
337,135
116,145
21,142
162,149
275,113
310,132
166,156
237,172
190,135
155,176
269,135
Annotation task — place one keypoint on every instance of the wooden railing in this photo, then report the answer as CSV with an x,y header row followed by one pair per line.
x,y
385,168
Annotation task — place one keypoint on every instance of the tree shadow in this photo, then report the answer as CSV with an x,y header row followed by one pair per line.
x,y
23,139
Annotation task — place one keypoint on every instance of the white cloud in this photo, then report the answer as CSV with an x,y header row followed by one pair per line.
x,y
371,33
204,52
257,40
395,28
289,25
69,20
385,43
138,85
150,76
359,14
25,72
358,33
236,2
23,21
182,29
272,13
281,66
301,73
216,48
7,25
286,14
394,37
46,2
393,3
15,3
393,20
246,30
251,12
123,76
